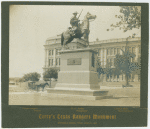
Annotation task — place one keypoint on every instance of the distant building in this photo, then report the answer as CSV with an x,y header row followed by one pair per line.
x,y
107,49
13,80
52,57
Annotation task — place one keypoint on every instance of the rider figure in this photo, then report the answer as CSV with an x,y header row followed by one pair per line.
x,y
74,22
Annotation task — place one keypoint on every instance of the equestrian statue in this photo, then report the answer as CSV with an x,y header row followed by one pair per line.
x,y
77,30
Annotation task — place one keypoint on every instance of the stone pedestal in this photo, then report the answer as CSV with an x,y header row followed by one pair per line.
x,y
77,75
76,69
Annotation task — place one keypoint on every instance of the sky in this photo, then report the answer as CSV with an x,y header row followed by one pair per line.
x,y
31,25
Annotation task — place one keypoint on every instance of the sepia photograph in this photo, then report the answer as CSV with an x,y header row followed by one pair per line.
x,y
74,55
74,64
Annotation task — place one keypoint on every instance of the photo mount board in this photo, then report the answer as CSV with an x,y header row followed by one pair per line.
x,y
18,116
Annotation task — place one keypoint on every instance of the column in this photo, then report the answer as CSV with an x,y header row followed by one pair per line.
x,y
104,77
113,78
54,57
131,52
113,51
113,62
109,79
123,48
47,58
117,78
120,78
131,80
120,51
124,78
105,51
136,53
135,78
102,57
101,77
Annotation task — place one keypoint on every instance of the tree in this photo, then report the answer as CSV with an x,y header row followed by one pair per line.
x,y
21,79
129,18
50,73
124,65
138,65
108,70
32,76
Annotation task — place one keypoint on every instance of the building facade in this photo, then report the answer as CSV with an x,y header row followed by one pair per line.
x,y
107,50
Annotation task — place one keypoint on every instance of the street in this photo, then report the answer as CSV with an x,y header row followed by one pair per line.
x,y
121,97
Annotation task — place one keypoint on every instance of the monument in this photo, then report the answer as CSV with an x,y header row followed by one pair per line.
x,y
78,76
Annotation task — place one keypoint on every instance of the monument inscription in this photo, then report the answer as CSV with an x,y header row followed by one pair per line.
x,y
74,61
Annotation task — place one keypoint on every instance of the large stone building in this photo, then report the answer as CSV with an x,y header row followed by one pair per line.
x,y
107,49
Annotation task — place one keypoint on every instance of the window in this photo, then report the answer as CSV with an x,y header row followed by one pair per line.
x,y
56,52
49,62
107,51
101,59
56,61
104,63
115,52
133,50
107,60
118,50
130,49
104,59
59,61
99,52
49,52
52,62
113,61
102,52
110,51
123,48
99,62
52,52
110,62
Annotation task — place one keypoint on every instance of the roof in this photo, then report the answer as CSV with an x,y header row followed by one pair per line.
x,y
115,40
55,37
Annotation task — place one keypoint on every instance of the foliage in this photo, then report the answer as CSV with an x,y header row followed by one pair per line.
x,y
138,67
50,73
99,68
124,65
32,76
123,62
108,70
130,18
21,80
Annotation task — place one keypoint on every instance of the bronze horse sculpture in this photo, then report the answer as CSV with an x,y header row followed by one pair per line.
x,y
82,31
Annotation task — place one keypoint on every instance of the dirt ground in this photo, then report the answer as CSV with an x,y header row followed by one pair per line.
x,y
121,97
